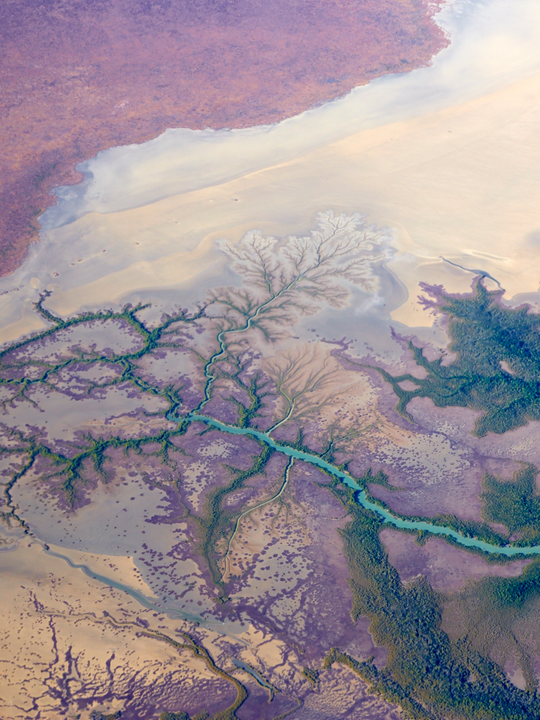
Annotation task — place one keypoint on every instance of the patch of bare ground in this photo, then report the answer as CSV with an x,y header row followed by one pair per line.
x,y
79,77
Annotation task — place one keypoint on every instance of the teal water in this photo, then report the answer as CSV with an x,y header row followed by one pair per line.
x,y
139,597
361,496
258,677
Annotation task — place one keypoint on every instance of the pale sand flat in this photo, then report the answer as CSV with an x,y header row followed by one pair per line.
x,y
460,183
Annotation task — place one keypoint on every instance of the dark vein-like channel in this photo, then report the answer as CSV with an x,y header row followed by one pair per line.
x,y
360,493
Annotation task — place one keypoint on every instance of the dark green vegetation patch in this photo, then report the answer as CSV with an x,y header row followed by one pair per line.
x,y
498,617
514,504
497,365
434,670
427,673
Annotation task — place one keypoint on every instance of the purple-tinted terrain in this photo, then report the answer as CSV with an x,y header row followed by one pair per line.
x,y
213,549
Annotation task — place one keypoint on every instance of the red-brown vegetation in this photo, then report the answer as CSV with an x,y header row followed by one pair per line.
x,y
79,77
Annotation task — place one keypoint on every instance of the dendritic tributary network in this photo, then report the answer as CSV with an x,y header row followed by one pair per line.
x,y
232,365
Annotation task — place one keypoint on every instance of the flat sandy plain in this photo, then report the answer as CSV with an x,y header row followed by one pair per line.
x,y
147,216
446,158
79,77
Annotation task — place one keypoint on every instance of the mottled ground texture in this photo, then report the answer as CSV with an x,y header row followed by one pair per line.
x,y
161,550
79,77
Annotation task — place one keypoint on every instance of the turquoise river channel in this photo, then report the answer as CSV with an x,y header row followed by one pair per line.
x,y
360,494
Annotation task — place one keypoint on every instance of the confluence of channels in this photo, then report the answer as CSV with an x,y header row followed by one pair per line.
x,y
360,494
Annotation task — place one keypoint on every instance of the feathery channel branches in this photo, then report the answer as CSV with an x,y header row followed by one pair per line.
x,y
283,279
